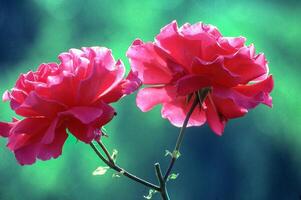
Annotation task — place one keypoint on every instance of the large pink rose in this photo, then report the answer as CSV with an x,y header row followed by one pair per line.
x,y
74,94
188,59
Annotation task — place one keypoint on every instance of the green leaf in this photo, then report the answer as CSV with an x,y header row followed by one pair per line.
x,y
104,131
151,192
114,155
100,171
174,154
168,153
172,176
118,174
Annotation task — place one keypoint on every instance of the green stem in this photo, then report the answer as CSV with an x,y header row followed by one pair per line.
x,y
115,167
162,182
105,150
199,98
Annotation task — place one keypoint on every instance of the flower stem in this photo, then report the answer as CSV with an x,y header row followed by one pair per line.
x,y
105,150
162,182
115,167
199,98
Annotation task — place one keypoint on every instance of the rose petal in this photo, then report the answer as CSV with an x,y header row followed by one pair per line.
x,y
215,121
176,111
149,65
147,98
191,83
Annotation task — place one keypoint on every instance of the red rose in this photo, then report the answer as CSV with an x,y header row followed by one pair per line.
x,y
74,95
188,59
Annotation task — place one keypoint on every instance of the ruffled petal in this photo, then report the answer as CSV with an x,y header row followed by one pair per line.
x,y
84,123
245,65
215,72
259,92
176,111
53,149
5,128
190,41
27,155
191,83
125,87
35,105
26,132
228,108
215,120
149,64
85,115
100,82
147,98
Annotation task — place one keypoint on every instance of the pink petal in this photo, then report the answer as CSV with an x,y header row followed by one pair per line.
x,y
100,82
188,42
244,65
54,149
259,92
191,83
5,128
176,111
216,72
35,105
83,132
228,108
26,132
84,114
232,44
125,87
64,92
49,134
84,127
147,98
146,61
27,155
215,121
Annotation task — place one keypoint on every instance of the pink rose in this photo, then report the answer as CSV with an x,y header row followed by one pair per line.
x,y
188,59
74,94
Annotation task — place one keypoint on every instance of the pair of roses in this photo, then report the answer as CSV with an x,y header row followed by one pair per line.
x,y
193,71
183,65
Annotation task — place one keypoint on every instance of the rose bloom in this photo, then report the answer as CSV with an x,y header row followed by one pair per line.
x,y
74,94
182,61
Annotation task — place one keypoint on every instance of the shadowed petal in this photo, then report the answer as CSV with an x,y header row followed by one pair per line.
x,y
147,98
176,111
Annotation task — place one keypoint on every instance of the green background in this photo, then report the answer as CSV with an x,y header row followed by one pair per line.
x,y
257,158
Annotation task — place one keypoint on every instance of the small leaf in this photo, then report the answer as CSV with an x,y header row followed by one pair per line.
x,y
115,175
176,154
151,192
168,153
118,174
172,176
104,131
114,155
100,171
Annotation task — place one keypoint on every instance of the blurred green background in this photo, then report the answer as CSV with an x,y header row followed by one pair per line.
x,y
258,157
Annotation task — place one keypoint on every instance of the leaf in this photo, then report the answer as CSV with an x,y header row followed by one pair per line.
x,y
118,174
168,153
172,176
151,192
174,154
114,155
100,171
104,131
